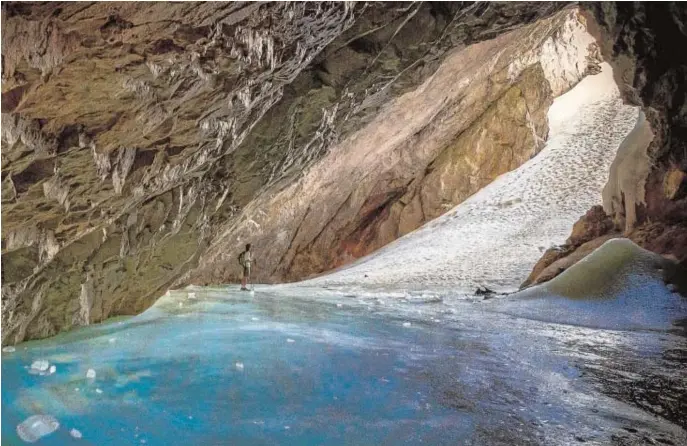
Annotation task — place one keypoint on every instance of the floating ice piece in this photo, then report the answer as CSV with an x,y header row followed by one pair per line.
x,y
9,349
254,319
75,433
239,366
90,374
40,365
191,295
112,340
181,304
53,369
37,426
290,341
98,391
76,389
339,305
407,324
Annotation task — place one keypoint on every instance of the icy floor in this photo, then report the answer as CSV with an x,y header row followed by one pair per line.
x,y
225,367
493,238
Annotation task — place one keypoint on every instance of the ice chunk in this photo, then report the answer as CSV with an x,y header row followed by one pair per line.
x,y
40,365
290,341
239,366
75,433
37,426
407,324
339,305
8,349
191,295
53,369
98,391
112,340
90,374
254,319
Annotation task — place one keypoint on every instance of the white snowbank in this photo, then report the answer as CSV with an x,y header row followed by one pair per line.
x,y
495,237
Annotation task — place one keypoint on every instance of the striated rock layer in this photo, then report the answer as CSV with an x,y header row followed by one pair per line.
x,y
645,199
481,114
138,138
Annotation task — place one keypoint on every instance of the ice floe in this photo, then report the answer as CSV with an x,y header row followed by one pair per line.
x,y
75,433
36,427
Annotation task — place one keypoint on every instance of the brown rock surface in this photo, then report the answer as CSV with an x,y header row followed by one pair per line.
x,y
429,149
135,135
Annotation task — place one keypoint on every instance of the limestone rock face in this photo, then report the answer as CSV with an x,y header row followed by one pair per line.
x,y
481,114
139,138
646,195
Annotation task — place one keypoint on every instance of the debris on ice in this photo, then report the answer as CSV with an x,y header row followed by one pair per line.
x,y
37,426
75,433
39,366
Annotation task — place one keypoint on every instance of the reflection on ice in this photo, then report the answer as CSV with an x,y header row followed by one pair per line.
x,y
229,367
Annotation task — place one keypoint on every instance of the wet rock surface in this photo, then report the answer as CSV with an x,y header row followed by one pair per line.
x,y
135,135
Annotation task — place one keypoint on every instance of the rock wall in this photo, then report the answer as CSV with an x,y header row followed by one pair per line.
x,y
646,197
137,135
480,115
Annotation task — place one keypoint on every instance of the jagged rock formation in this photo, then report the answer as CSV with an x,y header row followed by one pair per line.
x,y
646,197
480,115
137,135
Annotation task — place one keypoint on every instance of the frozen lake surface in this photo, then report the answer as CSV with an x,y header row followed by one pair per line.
x,y
226,367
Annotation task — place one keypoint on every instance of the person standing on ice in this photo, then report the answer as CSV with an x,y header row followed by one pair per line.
x,y
245,260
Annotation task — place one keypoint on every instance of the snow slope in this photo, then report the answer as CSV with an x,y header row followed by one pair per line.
x,y
495,236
